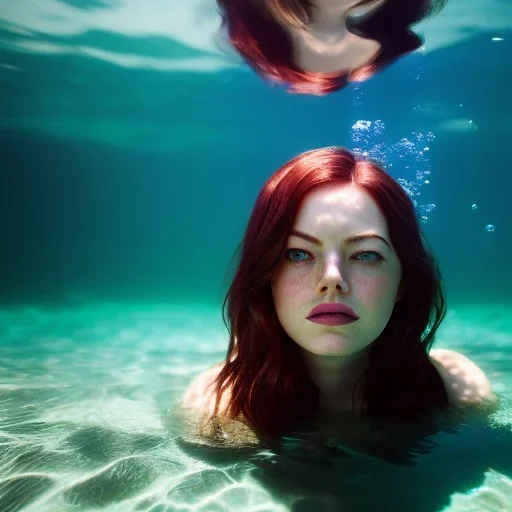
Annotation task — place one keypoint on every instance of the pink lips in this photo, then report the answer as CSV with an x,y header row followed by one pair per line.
x,y
332,313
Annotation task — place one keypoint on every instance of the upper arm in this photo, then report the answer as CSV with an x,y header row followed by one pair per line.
x,y
465,382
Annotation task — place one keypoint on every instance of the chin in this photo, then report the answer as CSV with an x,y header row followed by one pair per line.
x,y
333,345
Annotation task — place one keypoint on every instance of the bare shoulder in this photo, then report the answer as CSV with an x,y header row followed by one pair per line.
x,y
202,425
200,393
465,382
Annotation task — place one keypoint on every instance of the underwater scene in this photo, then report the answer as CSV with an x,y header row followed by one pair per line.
x,y
136,138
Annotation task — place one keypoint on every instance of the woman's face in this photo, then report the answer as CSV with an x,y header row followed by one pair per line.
x,y
332,266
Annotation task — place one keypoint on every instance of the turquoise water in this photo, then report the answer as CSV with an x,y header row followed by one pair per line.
x,y
87,398
132,150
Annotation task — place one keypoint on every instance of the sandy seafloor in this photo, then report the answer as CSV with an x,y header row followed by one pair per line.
x,y
86,393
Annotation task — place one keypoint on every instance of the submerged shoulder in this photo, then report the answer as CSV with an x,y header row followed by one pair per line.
x,y
200,394
465,382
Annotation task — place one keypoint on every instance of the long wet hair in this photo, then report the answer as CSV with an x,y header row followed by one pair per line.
x,y
264,372
255,29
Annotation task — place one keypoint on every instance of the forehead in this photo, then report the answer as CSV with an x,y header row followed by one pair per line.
x,y
339,206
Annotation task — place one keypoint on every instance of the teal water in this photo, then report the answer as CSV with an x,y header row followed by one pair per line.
x,y
132,150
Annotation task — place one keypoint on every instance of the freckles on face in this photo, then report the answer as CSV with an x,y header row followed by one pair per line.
x,y
373,290
291,287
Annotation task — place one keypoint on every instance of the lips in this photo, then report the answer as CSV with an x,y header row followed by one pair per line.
x,y
332,313
332,308
332,319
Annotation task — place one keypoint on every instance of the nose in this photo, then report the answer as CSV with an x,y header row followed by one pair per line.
x,y
333,278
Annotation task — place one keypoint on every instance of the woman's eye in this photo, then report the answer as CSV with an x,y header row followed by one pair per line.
x,y
368,256
296,255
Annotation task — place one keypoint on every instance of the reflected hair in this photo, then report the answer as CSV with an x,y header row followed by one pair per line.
x,y
264,371
255,29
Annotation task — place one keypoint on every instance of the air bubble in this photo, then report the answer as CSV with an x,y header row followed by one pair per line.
x,y
490,228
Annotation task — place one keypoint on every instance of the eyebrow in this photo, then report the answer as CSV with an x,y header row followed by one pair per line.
x,y
350,240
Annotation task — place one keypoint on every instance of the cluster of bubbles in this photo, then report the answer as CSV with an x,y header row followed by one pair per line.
x,y
409,155
408,158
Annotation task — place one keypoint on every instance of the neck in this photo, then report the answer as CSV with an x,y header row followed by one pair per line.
x,y
329,14
336,377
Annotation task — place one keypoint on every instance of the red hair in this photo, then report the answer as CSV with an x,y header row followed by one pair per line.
x,y
266,377
255,29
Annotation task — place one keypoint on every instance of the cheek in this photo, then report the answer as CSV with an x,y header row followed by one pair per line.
x,y
289,289
375,289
